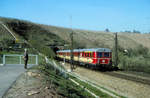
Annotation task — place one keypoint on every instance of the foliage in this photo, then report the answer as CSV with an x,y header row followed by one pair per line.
x,y
42,49
38,37
139,50
134,31
135,60
5,43
107,30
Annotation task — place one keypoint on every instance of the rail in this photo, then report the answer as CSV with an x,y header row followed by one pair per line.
x,y
18,60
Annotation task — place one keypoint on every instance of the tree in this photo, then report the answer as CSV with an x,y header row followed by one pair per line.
x,y
5,43
127,31
107,30
135,31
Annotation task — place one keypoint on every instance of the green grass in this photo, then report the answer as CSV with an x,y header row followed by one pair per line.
x,y
67,88
93,89
12,60
63,86
16,60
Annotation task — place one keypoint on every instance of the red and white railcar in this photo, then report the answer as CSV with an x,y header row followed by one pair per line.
x,y
92,57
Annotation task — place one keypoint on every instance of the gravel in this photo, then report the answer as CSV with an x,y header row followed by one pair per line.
x,y
120,86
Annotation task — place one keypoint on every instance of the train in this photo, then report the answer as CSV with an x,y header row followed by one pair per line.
x,y
93,58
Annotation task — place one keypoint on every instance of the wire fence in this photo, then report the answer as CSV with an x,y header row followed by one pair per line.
x,y
16,59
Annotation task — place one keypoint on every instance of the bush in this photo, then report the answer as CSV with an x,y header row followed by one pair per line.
x,y
43,49
140,50
135,59
138,64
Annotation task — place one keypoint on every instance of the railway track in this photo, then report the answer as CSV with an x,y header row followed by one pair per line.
x,y
123,76
126,84
127,77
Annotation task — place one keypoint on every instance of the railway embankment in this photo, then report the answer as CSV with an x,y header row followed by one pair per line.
x,y
120,85
39,82
47,81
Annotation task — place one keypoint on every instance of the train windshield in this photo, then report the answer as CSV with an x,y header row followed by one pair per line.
x,y
99,54
103,54
106,54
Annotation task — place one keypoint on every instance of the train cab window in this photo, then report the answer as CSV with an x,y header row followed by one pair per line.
x,y
99,54
106,54
88,54
91,54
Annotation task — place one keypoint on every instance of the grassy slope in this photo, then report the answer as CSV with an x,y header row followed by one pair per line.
x,y
49,35
31,31
93,39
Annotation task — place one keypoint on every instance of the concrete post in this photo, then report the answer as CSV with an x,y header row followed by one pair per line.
x,y
3,60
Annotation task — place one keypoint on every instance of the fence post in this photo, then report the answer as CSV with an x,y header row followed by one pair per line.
x,y
36,59
3,59
20,59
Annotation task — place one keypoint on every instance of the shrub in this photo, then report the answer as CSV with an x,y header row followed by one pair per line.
x,y
135,59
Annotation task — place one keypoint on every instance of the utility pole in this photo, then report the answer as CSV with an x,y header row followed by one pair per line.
x,y
116,50
71,48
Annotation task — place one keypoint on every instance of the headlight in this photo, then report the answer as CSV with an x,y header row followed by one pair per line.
x,y
103,61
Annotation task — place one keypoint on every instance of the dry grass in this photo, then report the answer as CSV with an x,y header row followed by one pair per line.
x,y
93,39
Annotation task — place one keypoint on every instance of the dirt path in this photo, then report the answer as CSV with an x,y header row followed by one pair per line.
x,y
31,85
121,86
8,75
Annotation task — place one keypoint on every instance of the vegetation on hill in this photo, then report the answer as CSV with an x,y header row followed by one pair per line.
x,y
37,36
42,37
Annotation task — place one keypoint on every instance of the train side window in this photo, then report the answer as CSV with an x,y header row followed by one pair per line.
x,y
87,54
99,54
106,54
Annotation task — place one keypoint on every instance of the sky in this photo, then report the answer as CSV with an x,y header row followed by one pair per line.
x,y
97,15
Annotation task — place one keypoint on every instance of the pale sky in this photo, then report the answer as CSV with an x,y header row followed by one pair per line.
x,y
117,15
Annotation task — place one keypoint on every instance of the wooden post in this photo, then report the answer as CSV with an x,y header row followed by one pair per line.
x,y
116,50
71,47
72,65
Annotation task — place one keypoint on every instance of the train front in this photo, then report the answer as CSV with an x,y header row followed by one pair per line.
x,y
104,57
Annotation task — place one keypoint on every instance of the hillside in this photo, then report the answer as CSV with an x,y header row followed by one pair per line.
x,y
52,35
92,39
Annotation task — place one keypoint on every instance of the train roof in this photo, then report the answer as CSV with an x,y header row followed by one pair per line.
x,y
88,50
